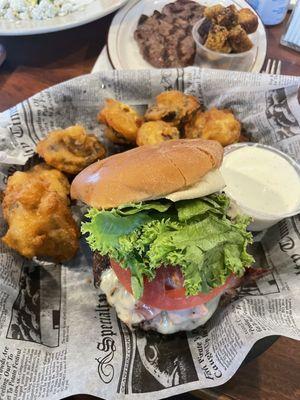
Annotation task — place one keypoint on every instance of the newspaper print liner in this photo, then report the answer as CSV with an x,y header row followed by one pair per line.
x,y
59,337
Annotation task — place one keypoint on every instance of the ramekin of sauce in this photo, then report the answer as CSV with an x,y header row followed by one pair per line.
x,y
262,182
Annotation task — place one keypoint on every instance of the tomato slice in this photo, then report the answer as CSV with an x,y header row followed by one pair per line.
x,y
123,275
166,290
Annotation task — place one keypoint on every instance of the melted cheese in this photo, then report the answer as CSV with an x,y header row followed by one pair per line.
x,y
212,182
119,298
165,322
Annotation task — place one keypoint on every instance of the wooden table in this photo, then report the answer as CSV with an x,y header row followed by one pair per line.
x,y
37,62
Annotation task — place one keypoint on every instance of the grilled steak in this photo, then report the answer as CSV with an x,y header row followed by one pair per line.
x,y
188,10
165,38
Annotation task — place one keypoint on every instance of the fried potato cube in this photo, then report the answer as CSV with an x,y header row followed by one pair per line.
x,y
239,40
35,205
213,11
217,39
70,150
228,17
123,119
154,132
173,107
220,125
224,16
248,20
204,29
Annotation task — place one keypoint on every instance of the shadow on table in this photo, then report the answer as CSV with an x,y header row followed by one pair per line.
x,y
43,49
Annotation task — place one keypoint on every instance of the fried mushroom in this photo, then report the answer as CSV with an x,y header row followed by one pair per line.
x,y
193,129
121,118
70,150
154,132
173,107
115,137
35,206
220,125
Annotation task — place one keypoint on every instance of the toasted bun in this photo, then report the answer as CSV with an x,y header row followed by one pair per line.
x,y
146,172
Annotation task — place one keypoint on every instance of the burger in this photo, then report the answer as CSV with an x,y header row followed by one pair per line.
x,y
165,247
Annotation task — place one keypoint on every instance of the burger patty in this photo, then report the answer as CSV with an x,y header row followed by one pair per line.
x,y
165,38
100,264
136,314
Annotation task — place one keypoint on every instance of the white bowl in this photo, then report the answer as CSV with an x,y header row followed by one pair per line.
x,y
261,220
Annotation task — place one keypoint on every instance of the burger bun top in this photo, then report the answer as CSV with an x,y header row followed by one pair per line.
x,y
146,172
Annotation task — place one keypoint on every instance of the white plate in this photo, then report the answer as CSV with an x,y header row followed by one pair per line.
x,y
123,50
92,11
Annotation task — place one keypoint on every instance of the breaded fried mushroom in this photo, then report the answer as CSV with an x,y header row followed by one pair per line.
x,y
239,40
121,118
53,179
154,132
35,206
193,129
70,150
115,137
248,20
173,107
220,125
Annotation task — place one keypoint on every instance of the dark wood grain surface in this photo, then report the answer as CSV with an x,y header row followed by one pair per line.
x,y
37,62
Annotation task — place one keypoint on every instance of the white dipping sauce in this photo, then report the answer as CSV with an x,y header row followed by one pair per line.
x,y
261,181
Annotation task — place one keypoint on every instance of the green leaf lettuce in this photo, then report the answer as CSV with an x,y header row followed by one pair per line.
x,y
193,234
